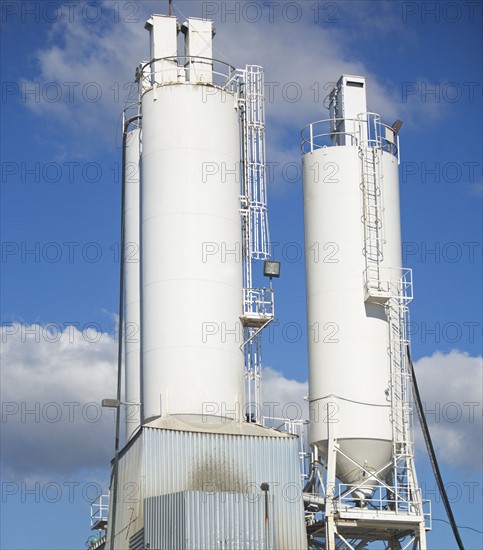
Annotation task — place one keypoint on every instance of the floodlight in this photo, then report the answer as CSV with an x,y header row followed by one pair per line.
x,y
271,269
397,126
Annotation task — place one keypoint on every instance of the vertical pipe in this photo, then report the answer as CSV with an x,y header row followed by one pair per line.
x,y
131,267
265,488
115,467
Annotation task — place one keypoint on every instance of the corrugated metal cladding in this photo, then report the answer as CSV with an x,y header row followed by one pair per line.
x,y
226,471
193,519
136,542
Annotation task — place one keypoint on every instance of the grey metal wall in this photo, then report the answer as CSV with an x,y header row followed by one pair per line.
x,y
198,520
164,462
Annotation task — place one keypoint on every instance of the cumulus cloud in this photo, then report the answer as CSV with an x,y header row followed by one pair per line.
x,y
283,397
451,389
52,383
92,65
84,76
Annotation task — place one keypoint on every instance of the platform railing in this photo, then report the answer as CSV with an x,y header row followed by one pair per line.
x,y
258,302
99,512
389,282
385,499
188,70
347,131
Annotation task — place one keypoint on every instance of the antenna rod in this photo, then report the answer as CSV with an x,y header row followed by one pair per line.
x,y
169,7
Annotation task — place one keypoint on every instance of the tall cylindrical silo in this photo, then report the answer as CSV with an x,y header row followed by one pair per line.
x,y
349,336
191,276
200,228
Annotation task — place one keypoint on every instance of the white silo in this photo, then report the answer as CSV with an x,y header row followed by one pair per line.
x,y
191,277
357,307
199,472
352,236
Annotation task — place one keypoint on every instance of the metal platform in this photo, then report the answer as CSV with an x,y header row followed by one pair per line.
x,y
99,512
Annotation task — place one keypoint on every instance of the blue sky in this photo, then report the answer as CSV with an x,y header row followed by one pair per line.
x,y
65,73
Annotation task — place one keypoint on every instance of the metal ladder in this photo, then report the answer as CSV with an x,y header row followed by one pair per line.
x,y
258,309
395,292
372,207
399,384
254,193
403,455
397,342
370,152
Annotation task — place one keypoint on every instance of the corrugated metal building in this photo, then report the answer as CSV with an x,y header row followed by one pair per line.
x,y
200,488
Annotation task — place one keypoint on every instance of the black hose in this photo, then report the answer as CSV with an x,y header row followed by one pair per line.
x,y
432,454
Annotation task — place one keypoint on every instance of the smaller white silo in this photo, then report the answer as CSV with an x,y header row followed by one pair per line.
x,y
351,213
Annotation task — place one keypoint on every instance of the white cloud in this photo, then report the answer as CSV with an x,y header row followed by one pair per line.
x,y
84,78
451,389
301,59
52,383
283,397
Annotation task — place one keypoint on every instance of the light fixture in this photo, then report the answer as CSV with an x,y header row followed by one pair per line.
x,y
397,126
111,403
271,269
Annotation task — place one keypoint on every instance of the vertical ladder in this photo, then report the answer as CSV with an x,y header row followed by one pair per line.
x,y
397,343
404,469
380,282
393,288
402,453
254,192
370,153
372,210
257,302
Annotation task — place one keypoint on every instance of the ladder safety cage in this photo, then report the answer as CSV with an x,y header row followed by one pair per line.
x,y
258,303
254,192
391,287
